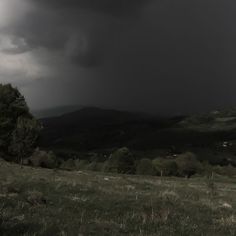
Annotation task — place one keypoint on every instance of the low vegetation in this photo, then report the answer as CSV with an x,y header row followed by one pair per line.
x,y
40,202
123,161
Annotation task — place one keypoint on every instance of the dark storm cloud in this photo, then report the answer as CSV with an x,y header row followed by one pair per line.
x,y
85,30
112,7
167,56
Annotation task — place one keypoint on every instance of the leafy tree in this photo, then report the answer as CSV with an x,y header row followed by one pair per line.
x,y
19,131
121,161
24,137
43,159
145,167
165,167
188,164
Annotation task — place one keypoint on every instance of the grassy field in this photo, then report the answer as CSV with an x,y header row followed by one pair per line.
x,y
53,202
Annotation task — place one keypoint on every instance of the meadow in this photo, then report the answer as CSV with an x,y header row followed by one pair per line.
x,y
36,201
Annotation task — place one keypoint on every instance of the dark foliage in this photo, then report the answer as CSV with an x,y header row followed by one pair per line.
x,y
165,167
43,159
19,131
121,161
188,164
145,167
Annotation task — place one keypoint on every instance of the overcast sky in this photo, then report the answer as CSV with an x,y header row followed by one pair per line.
x,y
162,56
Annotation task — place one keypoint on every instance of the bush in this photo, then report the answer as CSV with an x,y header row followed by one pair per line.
x,y
165,167
81,164
95,166
121,161
43,159
188,164
68,165
145,167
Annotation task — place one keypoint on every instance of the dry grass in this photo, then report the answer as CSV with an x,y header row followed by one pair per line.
x,y
52,202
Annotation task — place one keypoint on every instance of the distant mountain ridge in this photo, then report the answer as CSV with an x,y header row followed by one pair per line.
x,y
55,111
94,128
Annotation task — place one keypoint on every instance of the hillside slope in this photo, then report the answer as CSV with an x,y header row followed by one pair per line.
x,y
91,128
54,111
94,128
47,202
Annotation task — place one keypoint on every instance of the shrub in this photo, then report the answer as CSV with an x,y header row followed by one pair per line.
x,y
81,164
145,167
68,165
187,164
165,167
95,166
121,161
43,159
